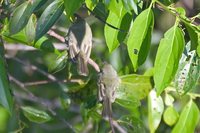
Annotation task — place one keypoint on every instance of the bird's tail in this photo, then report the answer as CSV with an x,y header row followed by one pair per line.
x,y
107,109
82,64
107,112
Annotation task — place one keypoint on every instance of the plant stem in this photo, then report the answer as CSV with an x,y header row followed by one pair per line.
x,y
176,14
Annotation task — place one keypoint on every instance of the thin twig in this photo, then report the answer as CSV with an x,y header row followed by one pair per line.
x,y
33,67
41,101
118,127
57,36
34,83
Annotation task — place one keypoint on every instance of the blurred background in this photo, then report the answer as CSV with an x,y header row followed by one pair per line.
x,y
23,63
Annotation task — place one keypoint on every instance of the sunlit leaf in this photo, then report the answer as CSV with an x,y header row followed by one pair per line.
x,y
35,115
91,4
121,20
155,110
188,119
139,39
169,100
170,116
167,58
30,29
49,17
130,5
71,6
133,86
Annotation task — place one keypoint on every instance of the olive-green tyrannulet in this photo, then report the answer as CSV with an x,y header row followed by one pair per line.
x,y
108,82
80,44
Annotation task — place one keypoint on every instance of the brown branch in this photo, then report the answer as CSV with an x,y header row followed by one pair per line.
x,y
44,102
34,83
57,36
33,67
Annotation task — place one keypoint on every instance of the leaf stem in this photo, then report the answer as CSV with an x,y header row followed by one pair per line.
x,y
176,14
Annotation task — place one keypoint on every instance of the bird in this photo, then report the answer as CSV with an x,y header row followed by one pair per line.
x,y
80,44
108,82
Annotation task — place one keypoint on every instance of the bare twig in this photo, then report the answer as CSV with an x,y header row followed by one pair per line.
x,y
20,47
34,83
44,102
33,67
118,127
57,36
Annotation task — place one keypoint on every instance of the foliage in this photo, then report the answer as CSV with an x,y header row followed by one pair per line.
x,y
69,100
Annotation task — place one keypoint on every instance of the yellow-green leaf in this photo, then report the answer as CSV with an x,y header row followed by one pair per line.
x,y
35,115
155,110
167,58
139,39
188,119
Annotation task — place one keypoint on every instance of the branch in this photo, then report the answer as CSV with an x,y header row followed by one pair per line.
x,y
44,102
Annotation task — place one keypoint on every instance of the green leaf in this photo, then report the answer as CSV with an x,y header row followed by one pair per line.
x,y
169,99
170,116
198,50
129,103
30,29
91,4
155,110
193,37
59,63
71,6
45,44
100,10
121,21
133,87
22,14
130,5
188,119
35,115
18,21
140,38
49,17
5,92
167,58
188,72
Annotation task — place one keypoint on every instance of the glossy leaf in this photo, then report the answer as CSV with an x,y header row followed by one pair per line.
x,y
188,72
5,91
90,4
121,21
30,29
101,10
139,39
18,21
22,14
170,116
188,119
155,110
130,5
49,17
167,58
45,44
35,115
59,63
133,86
71,6
193,37
169,100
